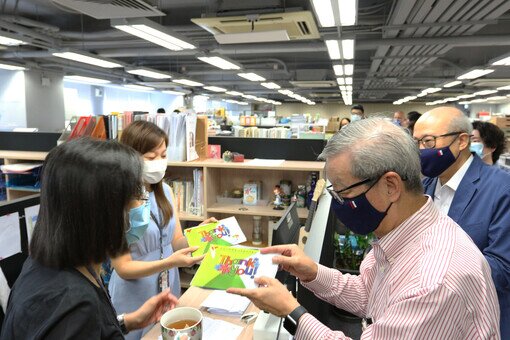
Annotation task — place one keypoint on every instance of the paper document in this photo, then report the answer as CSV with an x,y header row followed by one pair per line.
x,y
19,167
266,162
10,237
31,214
223,303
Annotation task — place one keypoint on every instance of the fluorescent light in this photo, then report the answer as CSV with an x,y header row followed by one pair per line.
x,y
215,88
475,74
10,41
398,102
234,93
138,87
243,103
348,48
151,31
220,62
496,98
432,90
340,81
421,94
89,80
485,92
149,74
466,96
348,80
87,58
230,101
333,49
286,92
272,86
453,83
502,62
349,88
342,88
481,100
339,70
503,88
187,82
324,12
251,76
12,67
249,96
349,69
347,9
176,93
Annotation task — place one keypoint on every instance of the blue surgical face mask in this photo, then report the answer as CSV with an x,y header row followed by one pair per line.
x,y
355,117
397,122
477,148
435,161
358,215
139,219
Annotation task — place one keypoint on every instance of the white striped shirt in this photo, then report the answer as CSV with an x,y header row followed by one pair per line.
x,y
426,279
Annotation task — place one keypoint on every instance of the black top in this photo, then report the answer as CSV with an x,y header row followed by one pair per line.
x,y
47,303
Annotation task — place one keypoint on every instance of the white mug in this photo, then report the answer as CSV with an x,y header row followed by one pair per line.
x,y
193,332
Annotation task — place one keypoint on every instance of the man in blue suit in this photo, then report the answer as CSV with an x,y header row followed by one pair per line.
x,y
472,193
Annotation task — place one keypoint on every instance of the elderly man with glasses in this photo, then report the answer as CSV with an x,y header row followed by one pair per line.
x,y
472,193
415,282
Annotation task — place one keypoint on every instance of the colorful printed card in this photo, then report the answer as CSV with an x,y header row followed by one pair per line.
x,y
225,232
226,267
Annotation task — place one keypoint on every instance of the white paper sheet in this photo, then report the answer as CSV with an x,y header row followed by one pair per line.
x,y
223,303
266,162
31,214
10,238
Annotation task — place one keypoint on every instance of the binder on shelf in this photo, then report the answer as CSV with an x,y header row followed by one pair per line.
x,y
80,127
99,130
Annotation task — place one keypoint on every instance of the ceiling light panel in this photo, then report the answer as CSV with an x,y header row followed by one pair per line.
x,y
87,58
503,88
452,84
88,80
138,87
151,31
324,12
234,93
485,92
333,49
215,89
251,76
348,49
220,62
175,93
187,82
271,86
12,67
502,62
473,74
149,74
348,12
6,41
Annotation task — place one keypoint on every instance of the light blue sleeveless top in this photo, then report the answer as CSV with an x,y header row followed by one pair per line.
x,y
128,295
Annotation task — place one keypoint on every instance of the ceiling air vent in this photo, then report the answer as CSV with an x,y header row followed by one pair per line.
x,y
261,28
111,9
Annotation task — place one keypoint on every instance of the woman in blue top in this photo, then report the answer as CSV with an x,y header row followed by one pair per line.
x,y
156,250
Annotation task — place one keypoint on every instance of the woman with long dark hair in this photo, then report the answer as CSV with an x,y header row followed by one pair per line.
x,y
87,192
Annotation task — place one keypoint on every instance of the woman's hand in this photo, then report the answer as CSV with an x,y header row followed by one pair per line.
x,y
151,311
182,258
209,220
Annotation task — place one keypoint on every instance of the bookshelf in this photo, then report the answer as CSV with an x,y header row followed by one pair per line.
x,y
13,157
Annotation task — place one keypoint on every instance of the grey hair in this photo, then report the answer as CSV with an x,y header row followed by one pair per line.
x,y
460,123
378,146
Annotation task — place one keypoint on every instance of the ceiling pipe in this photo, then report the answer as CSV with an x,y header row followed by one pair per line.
x,y
29,22
28,32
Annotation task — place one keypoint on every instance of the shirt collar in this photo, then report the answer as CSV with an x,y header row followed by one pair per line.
x,y
454,182
403,235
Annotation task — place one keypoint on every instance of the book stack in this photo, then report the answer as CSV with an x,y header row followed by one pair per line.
x,y
189,194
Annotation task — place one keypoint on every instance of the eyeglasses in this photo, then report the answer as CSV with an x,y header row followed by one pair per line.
x,y
429,142
336,193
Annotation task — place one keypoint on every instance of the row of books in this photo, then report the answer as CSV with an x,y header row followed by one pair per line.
x,y
189,194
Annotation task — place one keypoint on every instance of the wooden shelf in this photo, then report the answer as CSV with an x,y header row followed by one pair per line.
x,y
239,209
23,189
23,155
219,163
183,216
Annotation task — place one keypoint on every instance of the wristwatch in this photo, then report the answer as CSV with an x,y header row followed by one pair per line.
x,y
122,324
292,320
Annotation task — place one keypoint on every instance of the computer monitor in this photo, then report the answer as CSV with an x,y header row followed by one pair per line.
x,y
286,232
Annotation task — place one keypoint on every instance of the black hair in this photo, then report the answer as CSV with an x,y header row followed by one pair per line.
x,y
492,137
412,116
161,110
358,107
86,189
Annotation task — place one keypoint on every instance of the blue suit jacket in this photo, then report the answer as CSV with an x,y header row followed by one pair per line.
x,y
481,206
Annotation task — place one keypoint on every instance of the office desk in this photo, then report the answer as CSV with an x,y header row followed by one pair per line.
x,y
193,297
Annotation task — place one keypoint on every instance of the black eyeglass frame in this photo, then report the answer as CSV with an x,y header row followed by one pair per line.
x,y
420,141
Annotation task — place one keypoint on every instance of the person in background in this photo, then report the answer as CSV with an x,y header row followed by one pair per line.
x,y
157,246
414,283
357,113
161,110
344,122
87,189
487,141
411,119
399,118
472,193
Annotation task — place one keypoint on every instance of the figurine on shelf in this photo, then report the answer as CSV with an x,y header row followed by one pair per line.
x,y
278,194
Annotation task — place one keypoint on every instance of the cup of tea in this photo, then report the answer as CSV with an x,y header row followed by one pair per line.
x,y
182,323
